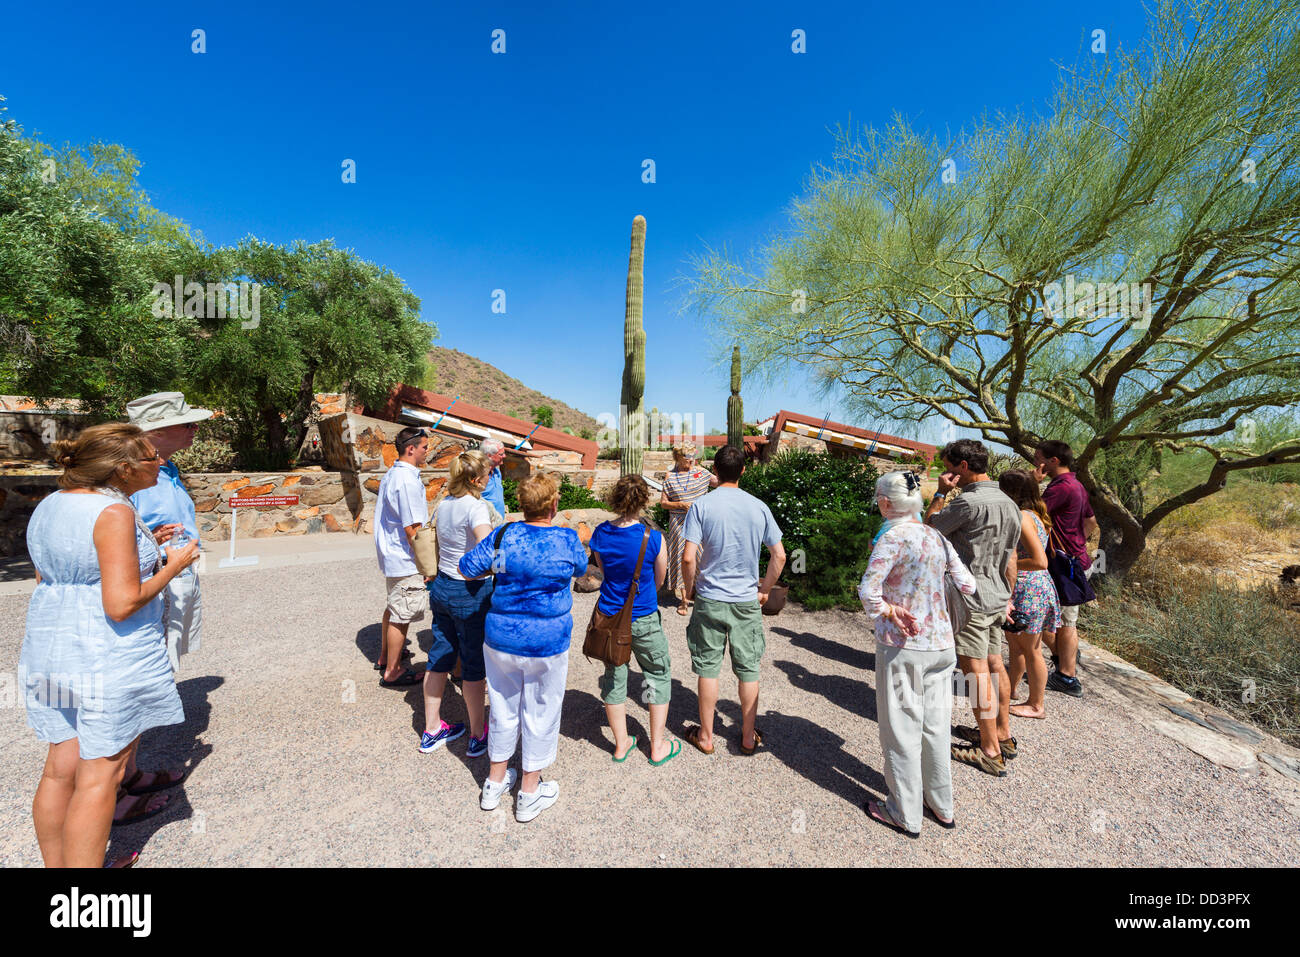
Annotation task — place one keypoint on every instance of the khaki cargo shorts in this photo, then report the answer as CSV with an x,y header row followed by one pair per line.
x,y
982,636
407,599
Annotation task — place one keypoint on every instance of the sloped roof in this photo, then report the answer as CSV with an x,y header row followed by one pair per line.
x,y
542,438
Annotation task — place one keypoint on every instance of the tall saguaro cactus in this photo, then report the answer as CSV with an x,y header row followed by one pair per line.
x,y
735,408
633,406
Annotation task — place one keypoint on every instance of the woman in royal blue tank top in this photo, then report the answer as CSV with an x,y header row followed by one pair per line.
x,y
615,546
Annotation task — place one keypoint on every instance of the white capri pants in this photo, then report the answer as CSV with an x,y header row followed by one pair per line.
x,y
526,695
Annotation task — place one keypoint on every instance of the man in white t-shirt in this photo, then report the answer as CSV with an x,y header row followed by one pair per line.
x,y
399,513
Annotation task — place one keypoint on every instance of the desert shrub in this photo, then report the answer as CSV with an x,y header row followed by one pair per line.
x,y
577,496
825,508
212,450
660,515
608,454
1236,649
571,496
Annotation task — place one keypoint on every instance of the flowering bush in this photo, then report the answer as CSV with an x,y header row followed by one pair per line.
x,y
825,507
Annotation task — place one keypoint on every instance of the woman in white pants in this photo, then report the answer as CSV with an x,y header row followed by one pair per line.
x,y
526,645
903,591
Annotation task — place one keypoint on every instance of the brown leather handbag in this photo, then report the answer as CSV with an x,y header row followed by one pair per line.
x,y
609,637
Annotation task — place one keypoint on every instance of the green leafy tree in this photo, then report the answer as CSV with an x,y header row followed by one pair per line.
x,y
75,318
329,321
918,276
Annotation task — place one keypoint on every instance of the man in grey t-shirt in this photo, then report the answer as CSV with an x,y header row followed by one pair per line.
x,y
983,525
724,531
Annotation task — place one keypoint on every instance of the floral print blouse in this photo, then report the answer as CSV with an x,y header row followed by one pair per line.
x,y
907,569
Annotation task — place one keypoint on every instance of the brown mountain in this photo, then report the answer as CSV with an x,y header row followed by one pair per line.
x,y
480,383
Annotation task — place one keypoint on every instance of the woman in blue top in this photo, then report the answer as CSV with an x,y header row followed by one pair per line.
x,y
526,645
615,546
94,665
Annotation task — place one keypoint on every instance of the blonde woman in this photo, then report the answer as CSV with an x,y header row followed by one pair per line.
x,y
94,666
463,519
686,482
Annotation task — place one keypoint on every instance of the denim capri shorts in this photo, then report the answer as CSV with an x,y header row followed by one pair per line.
x,y
459,611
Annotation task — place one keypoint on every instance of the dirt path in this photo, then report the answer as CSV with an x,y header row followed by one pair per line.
x,y
302,759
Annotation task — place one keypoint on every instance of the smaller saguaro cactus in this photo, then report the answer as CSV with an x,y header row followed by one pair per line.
x,y
735,408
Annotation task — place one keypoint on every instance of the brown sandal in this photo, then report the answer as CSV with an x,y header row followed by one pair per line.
x,y
138,810
758,739
161,782
693,736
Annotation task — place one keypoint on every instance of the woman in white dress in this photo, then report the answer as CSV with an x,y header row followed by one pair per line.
x,y
94,667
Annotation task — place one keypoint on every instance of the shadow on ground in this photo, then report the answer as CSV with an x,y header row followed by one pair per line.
x,y
172,747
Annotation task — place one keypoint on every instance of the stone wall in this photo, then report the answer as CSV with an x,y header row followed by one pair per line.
x,y
19,496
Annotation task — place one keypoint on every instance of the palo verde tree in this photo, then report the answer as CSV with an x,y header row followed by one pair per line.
x,y
1120,272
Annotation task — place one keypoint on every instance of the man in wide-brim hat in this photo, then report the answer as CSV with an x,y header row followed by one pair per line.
x,y
170,424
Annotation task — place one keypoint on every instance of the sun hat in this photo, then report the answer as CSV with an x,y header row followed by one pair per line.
x,y
162,409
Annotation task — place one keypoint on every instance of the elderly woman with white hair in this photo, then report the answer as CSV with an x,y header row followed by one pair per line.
x,y
903,592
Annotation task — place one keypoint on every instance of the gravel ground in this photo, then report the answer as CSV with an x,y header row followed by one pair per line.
x,y
301,759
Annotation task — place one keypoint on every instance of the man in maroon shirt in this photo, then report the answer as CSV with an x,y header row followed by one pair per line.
x,y
1073,522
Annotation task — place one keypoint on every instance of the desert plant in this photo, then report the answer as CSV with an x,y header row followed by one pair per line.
x,y
1189,629
735,407
633,437
825,507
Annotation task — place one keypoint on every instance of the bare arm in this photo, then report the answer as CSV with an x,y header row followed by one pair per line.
x,y
1036,561
123,593
688,569
661,567
775,562
1090,526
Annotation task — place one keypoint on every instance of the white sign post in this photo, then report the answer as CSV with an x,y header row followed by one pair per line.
x,y
238,503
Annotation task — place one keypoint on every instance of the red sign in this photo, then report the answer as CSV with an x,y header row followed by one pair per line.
x,y
264,500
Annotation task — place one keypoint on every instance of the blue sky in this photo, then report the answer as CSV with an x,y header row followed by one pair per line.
x,y
478,171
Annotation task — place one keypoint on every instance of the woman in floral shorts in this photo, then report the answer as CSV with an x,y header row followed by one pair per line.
x,y
1034,600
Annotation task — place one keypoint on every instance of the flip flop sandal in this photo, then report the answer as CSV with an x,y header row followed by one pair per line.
x,y
138,811
404,680
630,748
877,811
673,750
162,782
693,736
758,739
927,811
122,863
406,656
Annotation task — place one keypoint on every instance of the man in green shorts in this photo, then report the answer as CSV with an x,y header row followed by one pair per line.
x,y
723,533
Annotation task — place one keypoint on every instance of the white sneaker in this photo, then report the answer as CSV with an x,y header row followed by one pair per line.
x,y
492,792
528,806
